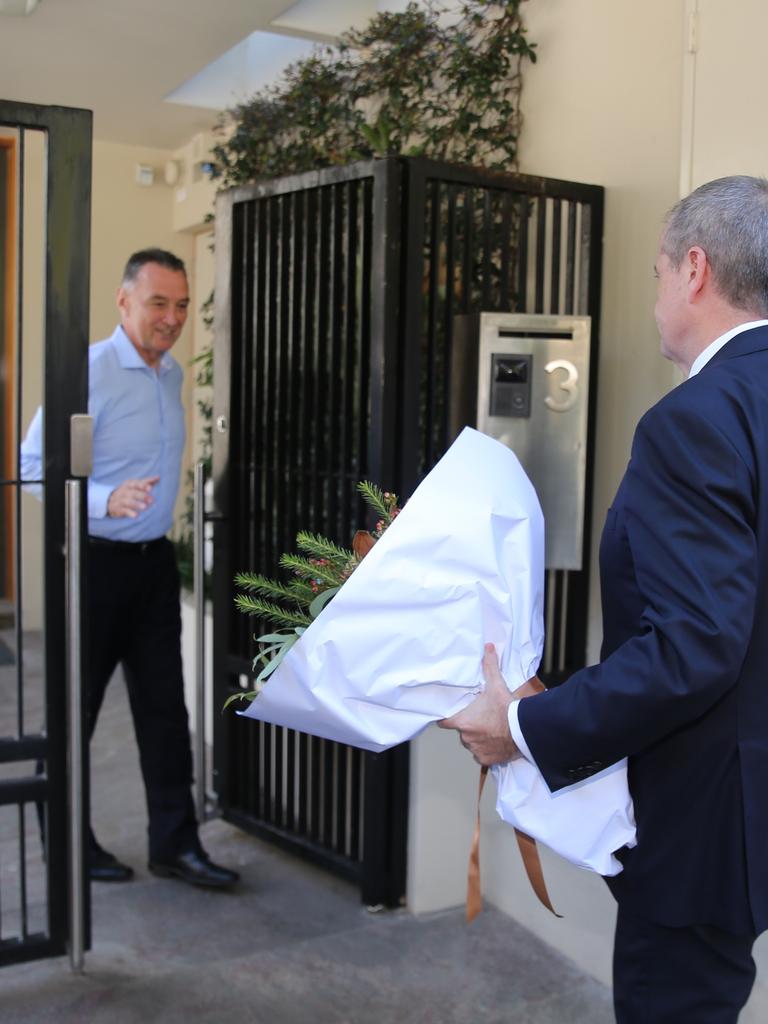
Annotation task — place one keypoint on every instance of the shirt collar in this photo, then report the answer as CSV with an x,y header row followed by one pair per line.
x,y
130,359
703,358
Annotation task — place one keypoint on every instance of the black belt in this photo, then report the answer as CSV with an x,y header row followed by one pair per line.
x,y
126,545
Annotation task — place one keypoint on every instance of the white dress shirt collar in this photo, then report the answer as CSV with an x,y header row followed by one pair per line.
x,y
703,358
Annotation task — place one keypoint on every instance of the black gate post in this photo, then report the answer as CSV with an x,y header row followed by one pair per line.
x,y
67,282
336,293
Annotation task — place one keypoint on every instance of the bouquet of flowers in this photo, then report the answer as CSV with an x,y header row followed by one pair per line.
x,y
390,642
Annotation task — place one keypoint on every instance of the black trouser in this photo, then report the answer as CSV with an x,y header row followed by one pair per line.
x,y
693,975
135,619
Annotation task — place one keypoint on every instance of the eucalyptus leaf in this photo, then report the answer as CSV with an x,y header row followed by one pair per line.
x,y
322,600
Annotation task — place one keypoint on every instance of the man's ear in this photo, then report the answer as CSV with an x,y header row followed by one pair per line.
x,y
122,299
698,271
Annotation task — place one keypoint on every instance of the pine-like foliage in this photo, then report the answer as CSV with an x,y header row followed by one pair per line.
x,y
321,565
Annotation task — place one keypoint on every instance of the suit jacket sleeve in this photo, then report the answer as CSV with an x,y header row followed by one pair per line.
x,y
684,556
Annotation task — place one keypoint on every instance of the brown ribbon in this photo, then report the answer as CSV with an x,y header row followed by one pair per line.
x,y
531,862
474,897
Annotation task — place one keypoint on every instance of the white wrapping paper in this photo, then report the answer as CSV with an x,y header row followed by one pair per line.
x,y
401,644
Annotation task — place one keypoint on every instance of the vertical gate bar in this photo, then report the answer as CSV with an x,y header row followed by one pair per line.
x,y
335,451
328,794
245,529
250,535
365,342
293,495
286,467
273,778
286,748
308,376
584,259
349,468
259,437
19,312
406,227
341,790
319,483
283,464
67,278
506,243
244,533
432,265
198,590
570,259
302,754
356,815
522,256
315,764
564,621
272,396
554,295
267,777
541,242
592,228
236,630
549,620
450,256
466,260
487,248
261,770
335,794
74,489
23,872
298,333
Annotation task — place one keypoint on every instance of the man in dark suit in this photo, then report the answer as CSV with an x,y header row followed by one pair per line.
x,y
682,685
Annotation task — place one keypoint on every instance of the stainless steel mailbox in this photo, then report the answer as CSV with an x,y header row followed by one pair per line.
x,y
523,379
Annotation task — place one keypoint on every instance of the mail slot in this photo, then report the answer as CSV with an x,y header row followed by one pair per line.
x,y
524,379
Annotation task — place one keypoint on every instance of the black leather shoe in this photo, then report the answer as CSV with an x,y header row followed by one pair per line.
x,y
103,866
195,868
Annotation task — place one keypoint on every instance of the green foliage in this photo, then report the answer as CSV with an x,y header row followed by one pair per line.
x,y
410,83
383,503
317,575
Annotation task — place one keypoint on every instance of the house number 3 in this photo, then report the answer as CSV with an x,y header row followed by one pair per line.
x,y
567,384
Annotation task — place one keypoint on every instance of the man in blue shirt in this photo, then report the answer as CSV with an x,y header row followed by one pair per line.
x,y
133,583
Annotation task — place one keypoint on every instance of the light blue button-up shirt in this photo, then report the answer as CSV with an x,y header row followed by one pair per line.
x,y
138,431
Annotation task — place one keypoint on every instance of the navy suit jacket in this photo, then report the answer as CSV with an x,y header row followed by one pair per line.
x,y
682,685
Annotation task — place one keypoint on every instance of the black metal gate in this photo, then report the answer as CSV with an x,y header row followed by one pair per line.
x,y
45,153
335,298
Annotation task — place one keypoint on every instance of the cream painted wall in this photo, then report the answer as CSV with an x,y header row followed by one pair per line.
x,y
728,135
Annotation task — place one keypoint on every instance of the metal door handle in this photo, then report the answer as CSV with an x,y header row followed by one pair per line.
x,y
80,445
198,584
75,767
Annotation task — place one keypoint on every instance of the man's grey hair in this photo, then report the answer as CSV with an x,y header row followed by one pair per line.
x,y
728,219
143,256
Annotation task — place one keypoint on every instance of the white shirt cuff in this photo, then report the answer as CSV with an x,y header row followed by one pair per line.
x,y
517,732
98,497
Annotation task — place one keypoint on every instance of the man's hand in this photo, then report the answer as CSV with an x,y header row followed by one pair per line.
x,y
483,726
131,498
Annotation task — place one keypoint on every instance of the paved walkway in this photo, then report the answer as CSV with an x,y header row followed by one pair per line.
x,y
293,944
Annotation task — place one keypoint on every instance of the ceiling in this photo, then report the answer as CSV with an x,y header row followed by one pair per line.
x,y
122,58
